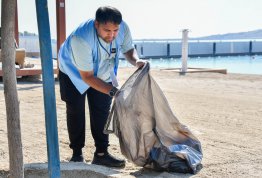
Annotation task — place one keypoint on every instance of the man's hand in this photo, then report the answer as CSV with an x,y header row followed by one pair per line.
x,y
140,63
94,82
133,58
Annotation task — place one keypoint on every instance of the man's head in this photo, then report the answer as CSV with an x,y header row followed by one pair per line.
x,y
107,22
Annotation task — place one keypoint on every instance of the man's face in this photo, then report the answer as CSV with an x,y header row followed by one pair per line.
x,y
107,31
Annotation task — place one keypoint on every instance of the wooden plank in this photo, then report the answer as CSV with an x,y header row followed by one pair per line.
x,y
195,70
28,72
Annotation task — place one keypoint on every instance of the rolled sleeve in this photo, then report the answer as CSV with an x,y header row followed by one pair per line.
x,y
82,54
127,42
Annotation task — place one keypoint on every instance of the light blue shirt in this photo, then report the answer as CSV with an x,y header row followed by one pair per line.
x,y
83,60
83,51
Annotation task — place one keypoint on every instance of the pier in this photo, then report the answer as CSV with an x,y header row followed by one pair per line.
x,y
197,48
169,48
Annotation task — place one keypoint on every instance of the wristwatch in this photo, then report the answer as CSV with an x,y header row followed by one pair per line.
x,y
112,92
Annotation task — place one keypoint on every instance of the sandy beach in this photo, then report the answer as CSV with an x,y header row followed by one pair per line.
x,y
223,111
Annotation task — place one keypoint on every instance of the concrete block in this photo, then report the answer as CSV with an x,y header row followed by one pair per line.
x,y
73,170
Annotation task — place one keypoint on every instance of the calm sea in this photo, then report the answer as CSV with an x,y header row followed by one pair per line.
x,y
233,64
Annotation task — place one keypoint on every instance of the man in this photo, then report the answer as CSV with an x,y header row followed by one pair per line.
x,y
88,63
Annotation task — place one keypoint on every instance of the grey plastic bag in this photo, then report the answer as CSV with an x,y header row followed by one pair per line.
x,y
176,158
139,111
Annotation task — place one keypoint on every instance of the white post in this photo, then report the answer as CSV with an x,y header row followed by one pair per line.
x,y
184,50
231,47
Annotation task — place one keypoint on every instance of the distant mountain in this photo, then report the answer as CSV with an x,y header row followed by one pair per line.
x,y
26,33
256,34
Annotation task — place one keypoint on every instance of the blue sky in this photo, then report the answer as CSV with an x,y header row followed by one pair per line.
x,y
157,18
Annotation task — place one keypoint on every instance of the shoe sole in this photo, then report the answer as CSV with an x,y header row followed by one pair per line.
x,y
120,166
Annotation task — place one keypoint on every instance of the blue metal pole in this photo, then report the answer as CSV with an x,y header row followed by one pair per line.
x,y
48,88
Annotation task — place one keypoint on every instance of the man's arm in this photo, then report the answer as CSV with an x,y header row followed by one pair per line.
x,y
133,58
83,60
94,82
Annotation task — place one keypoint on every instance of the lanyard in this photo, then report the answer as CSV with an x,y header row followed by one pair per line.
x,y
109,53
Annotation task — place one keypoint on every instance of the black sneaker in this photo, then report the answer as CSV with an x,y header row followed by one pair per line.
x,y
77,158
108,160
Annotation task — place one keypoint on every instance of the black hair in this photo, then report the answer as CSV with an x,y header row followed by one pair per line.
x,y
108,14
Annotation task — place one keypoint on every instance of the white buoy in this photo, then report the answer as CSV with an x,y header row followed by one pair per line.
x,y
184,50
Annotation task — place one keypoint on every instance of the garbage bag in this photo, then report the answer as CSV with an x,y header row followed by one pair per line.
x,y
149,133
176,158
164,160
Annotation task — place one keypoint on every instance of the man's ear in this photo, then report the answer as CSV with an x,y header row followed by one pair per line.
x,y
96,24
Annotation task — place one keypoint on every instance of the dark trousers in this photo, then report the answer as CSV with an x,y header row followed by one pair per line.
x,y
99,106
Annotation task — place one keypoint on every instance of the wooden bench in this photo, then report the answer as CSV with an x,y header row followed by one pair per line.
x,y
19,57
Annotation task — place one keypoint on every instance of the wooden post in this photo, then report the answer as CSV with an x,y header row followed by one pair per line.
x,y
60,23
49,88
60,26
10,89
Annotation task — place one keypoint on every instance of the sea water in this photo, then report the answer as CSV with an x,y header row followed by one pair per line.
x,y
233,64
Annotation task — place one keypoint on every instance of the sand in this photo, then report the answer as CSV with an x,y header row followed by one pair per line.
x,y
223,111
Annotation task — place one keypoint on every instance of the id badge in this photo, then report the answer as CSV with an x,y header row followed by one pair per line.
x,y
113,79
112,55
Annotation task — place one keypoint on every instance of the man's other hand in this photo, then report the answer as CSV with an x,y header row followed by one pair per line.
x,y
140,63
